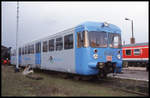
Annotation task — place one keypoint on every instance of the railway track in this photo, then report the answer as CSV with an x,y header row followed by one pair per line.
x,y
117,86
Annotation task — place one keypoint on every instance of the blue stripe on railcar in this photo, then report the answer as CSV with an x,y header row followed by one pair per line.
x,y
38,58
20,61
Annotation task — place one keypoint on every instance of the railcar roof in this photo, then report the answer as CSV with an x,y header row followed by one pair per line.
x,y
137,44
100,26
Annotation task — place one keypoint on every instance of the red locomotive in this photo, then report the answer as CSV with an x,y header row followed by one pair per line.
x,y
136,54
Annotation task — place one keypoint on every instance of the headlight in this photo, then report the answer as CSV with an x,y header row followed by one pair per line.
x,y
95,50
95,56
118,56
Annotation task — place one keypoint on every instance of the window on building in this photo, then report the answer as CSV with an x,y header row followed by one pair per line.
x,y
68,41
38,47
137,52
59,44
51,45
128,52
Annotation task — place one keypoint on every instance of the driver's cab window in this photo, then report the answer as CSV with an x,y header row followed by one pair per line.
x,y
116,41
82,39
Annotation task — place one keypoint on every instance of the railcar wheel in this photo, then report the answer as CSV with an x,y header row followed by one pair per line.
x,y
102,75
76,77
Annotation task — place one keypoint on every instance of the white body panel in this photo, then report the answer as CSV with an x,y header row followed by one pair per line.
x,y
28,59
63,60
13,60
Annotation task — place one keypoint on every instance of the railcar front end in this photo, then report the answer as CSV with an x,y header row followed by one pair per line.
x,y
98,49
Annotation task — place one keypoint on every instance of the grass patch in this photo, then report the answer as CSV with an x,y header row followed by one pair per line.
x,y
16,84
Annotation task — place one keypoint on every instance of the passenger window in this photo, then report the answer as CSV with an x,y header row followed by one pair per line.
x,y
59,44
23,51
15,52
137,52
11,54
128,52
68,41
45,46
19,51
38,47
51,45
32,49
26,50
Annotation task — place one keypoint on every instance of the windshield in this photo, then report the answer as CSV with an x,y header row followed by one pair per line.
x,y
97,39
114,40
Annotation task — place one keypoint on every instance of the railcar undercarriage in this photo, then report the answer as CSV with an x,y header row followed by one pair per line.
x,y
106,68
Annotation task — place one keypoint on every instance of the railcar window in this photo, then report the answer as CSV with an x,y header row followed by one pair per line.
x,y
97,39
14,52
128,52
32,49
79,42
23,51
11,53
137,52
82,39
51,45
68,41
114,40
19,51
26,50
59,44
45,46
38,47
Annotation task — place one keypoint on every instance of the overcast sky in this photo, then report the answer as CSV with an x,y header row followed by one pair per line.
x,y
41,19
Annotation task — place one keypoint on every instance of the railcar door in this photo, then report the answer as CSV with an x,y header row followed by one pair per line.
x,y
80,50
38,55
20,56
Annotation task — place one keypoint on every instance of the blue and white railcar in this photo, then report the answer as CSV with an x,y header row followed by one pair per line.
x,y
87,49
